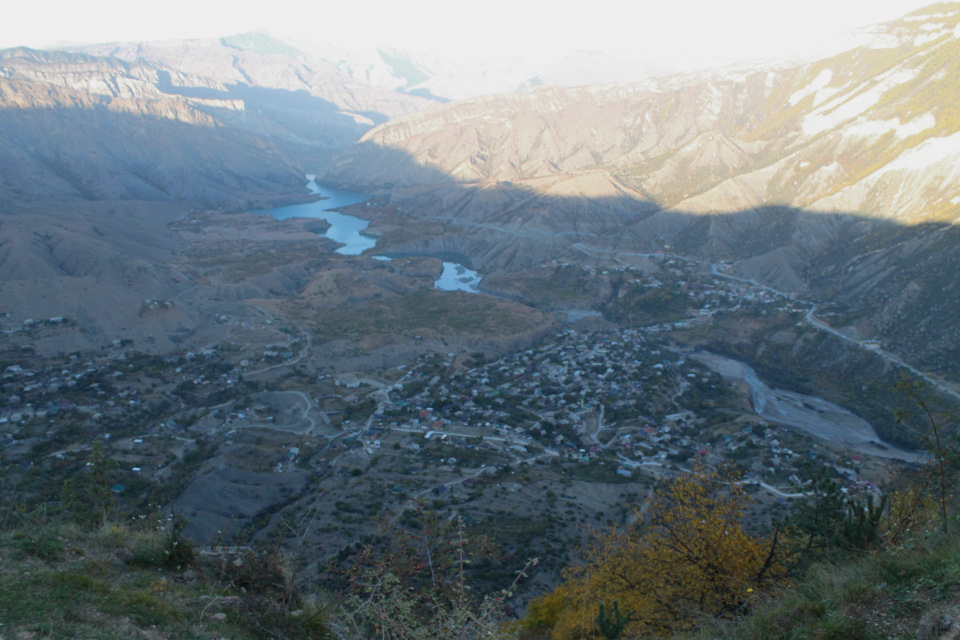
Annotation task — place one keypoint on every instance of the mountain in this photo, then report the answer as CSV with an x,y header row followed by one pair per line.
x,y
834,179
823,136
256,83
371,85
102,153
238,370
447,79
75,126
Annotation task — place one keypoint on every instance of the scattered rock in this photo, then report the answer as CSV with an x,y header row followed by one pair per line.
x,y
939,626
187,576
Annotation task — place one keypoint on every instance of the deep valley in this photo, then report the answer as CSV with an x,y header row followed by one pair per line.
x,y
753,267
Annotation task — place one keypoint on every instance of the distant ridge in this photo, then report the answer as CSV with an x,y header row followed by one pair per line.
x,y
263,44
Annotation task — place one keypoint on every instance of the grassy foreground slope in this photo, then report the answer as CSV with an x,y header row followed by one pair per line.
x,y
59,580
140,579
907,592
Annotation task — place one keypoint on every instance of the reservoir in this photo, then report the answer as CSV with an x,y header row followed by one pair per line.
x,y
344,229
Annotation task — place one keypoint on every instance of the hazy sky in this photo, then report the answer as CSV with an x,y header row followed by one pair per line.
x,y
712,30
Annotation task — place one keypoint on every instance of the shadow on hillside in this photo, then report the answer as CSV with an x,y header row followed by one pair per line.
x,y
103,154
263,98
312,119
305,125
616,217
899,280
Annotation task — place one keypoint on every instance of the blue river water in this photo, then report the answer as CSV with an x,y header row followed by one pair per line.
x,y
344,229
348,231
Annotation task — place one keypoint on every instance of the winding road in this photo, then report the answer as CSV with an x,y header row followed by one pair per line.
x,y
926,377
809,318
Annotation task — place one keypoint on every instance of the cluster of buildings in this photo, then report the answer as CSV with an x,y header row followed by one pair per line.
x,y
612,396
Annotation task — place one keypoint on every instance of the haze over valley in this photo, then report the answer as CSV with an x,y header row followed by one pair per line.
x,y
265,278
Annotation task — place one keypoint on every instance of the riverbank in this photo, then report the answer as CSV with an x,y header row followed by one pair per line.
x,y
815,416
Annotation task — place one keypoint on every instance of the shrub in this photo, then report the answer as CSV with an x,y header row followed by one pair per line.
x,y
165,547
420,592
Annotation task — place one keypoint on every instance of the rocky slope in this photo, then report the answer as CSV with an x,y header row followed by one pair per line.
x,y
833,135
259,84
78,127
453,77
833,180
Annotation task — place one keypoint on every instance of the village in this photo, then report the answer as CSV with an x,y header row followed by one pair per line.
x,y
584,397
610,404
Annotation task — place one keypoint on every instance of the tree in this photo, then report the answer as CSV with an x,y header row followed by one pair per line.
x,y
829,520
90,501
419,589
817,516
935,422
686,557
612,623
551,613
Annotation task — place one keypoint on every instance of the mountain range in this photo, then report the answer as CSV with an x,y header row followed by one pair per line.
x,y
660,270
834,180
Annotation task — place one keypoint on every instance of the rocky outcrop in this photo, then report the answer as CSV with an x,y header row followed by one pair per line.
x,y
939,626
77,127
305,102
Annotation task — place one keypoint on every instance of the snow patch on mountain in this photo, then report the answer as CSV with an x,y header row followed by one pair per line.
x,y
924,38
863,128
816,87
843,108
944,150
902,189
927,17
713,101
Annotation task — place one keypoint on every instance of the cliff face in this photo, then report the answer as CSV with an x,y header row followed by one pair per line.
x,y
160,120
286,95
834,179
76,127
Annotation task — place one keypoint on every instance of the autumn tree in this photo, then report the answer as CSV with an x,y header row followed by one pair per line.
x,y
685,557
561,613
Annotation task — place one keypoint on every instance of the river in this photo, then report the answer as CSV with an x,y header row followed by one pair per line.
x,y
817,417
345,230
348,231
